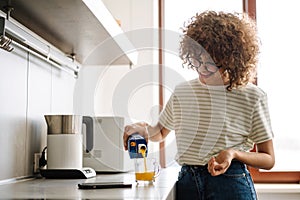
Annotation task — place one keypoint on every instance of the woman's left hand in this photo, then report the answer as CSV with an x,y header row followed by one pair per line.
x,y
139,127
219,164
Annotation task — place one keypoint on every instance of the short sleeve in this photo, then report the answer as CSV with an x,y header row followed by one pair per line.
x,y
261,123
166,116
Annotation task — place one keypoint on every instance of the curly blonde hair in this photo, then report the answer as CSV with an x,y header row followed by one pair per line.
x,y
230,39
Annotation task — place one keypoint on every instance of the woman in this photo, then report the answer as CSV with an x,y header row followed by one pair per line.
x,y
219,116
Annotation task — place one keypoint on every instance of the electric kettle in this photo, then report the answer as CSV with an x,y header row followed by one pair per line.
x,y
65,143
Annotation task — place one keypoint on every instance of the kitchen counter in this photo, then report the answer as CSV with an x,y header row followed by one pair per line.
x,y
276,191
162,188
41,188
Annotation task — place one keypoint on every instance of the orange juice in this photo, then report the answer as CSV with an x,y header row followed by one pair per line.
x,y
144,176
143,151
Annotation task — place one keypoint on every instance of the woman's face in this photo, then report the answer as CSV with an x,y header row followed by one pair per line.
x,y
209,72
207,68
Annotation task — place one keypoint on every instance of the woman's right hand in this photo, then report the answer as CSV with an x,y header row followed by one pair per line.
x,y
219,164
139,127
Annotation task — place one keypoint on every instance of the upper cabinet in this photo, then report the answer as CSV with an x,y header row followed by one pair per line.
x,y
85,28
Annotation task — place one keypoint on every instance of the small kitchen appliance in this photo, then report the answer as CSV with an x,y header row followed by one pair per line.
x,y
108,154
65,146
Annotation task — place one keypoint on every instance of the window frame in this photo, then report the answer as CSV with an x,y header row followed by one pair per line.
x,y
259,176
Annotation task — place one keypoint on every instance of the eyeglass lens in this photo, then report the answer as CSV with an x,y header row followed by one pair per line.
x,y
209,66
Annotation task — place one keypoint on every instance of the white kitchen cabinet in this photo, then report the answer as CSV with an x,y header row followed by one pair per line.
x,y
130,91
139,21
81,27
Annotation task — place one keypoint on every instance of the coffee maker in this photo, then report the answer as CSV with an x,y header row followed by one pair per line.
x,y
65,146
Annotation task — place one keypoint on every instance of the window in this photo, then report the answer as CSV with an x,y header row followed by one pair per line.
x,y
280,40
277,73
176,13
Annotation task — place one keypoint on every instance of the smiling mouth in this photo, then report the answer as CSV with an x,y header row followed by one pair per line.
x,y
206,75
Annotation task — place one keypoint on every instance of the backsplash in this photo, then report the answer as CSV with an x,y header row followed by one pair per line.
x,y
29,89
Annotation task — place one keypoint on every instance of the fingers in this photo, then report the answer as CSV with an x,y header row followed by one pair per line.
x,y
127,132
215,168
130,129
211,165
125,138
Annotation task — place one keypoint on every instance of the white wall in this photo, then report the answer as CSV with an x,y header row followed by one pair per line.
x,y
29,89
13,111
130,91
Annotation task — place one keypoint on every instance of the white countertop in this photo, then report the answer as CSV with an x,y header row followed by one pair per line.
x,y
42,188
277,188
278,191
162,188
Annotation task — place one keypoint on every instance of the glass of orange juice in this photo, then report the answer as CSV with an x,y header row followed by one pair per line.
x,y
146,169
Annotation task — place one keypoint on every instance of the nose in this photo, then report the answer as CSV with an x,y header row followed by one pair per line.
x,y
203,70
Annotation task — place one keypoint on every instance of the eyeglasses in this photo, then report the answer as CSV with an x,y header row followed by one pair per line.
x,y
197,64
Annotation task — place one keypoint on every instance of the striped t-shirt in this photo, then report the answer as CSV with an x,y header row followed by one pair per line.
x,y
208,119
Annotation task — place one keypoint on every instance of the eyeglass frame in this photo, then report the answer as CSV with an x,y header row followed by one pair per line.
x,y
201,63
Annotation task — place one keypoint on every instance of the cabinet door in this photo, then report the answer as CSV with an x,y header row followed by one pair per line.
x,y
13,88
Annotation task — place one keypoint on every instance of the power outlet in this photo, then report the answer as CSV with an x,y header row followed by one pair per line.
x,y
36,162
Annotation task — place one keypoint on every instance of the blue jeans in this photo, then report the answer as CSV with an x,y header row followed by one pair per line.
x,y
195,182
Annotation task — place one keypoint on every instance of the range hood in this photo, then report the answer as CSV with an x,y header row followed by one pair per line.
x,y
84,28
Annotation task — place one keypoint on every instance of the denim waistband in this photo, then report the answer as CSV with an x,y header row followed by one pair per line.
x,y
234,164
194,166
